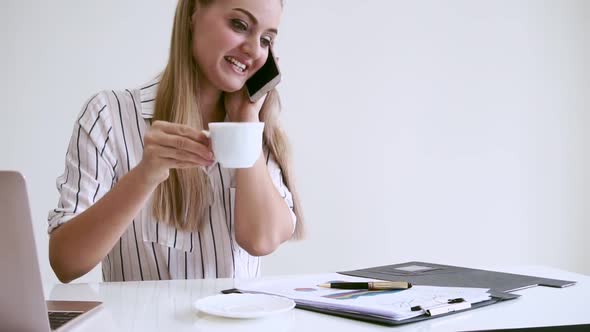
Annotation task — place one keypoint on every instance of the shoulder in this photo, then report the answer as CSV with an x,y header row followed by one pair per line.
x,y
101,112
138,102
107,106
95,109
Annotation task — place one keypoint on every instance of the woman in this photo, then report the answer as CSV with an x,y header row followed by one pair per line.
x,y
141,191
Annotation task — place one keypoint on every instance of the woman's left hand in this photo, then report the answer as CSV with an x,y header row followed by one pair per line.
x,y
239,108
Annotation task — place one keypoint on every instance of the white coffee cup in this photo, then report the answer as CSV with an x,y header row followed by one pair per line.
x,y
236,144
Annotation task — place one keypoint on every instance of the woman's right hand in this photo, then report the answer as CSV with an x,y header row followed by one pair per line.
x,y
170,145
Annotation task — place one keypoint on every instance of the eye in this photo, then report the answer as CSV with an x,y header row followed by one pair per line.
x,y
239,25
266,41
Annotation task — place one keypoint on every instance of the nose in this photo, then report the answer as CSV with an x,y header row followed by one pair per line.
x,y
252,47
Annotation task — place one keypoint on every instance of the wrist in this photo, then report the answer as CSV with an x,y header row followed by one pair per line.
x,y
147,178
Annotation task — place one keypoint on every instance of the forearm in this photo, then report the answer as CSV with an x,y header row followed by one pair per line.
x,y
80,244
262,218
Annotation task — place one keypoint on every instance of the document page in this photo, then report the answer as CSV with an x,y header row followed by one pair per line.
x,y
391,304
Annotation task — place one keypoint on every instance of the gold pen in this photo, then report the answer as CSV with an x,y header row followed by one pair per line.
x,y
372,285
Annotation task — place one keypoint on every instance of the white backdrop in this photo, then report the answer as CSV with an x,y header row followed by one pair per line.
x,y
452,132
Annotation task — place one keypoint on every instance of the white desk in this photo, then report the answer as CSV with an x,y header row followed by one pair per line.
x,y
167,306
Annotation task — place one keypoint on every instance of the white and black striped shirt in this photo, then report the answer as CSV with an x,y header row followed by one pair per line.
x,y
107,142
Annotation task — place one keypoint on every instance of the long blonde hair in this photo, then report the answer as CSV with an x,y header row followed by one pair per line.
x,y
183,199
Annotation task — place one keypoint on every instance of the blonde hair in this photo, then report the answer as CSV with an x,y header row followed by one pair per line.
x,y
183,199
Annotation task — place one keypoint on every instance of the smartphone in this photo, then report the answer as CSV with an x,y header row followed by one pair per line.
x,y
265,79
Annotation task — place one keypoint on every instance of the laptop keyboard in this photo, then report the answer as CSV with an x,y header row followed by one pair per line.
x,y
59,318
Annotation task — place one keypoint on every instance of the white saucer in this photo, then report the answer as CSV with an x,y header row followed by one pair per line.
x,y
243,305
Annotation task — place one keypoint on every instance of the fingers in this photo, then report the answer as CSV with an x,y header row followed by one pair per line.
x,y
181,130
172,163
179,158
183,144
170,145
185,131
179,137
173,146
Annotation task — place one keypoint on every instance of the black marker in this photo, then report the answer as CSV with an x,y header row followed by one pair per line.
x,y
375,285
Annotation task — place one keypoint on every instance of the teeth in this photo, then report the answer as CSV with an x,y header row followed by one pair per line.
x,y
236,63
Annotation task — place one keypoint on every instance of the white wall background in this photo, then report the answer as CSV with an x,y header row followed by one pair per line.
x,y
451,132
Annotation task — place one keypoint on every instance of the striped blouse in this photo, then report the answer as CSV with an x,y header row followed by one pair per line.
x,y
107,142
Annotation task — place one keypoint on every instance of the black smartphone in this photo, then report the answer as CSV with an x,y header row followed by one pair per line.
x,y
265,79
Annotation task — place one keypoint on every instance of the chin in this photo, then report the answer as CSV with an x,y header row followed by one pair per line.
x,y
233,90
231,86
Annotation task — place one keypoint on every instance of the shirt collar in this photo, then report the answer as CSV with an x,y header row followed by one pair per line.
x,y
147,97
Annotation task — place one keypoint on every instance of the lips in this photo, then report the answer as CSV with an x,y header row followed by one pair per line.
x,y
238,65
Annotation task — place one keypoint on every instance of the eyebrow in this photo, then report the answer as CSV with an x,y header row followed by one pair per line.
x,y
253,18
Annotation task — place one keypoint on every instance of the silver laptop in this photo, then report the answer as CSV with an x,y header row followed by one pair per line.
x,y
22,305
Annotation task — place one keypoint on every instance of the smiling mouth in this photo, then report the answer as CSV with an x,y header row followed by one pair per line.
x,y
240,67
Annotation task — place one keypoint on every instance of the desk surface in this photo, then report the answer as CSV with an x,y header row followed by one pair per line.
x,y
167,306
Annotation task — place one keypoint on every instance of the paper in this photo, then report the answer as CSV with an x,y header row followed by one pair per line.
x,y
390,304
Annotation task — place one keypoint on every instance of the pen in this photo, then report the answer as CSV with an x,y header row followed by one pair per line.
x,y
450,301
374,285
